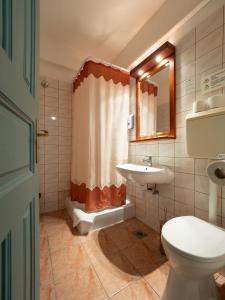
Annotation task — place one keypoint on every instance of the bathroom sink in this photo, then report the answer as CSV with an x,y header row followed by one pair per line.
x,y
145,174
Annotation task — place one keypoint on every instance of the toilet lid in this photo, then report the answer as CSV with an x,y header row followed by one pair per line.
x,y
195,237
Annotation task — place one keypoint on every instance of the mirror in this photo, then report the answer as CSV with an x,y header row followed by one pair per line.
x,y
155,95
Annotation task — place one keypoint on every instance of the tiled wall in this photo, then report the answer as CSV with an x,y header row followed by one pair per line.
x,y
200,52
55,149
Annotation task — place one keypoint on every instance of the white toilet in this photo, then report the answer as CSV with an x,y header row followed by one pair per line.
x,y
195,250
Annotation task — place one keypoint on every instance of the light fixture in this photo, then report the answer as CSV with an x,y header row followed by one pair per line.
x,y
149,75
53,118
158,58
167,64
140,72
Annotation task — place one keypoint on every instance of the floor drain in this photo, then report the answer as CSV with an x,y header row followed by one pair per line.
x,y
139,234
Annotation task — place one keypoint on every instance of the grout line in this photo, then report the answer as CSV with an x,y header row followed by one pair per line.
x,y
58,144
50,257
94,268
151,287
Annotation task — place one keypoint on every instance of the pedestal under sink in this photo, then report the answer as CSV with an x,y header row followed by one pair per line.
x,y
143,174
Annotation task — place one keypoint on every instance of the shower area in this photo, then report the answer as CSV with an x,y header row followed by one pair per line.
x,y
82,137
100,108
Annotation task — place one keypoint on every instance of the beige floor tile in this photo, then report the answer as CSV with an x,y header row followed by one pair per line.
x,y
62,239
45,270
220,283
68,260
152,240
137,290
158,278
42,229
54,228
115,272
43,245
134,224
143,259
108,260
98,245
83,284
120,235
47,293
53,217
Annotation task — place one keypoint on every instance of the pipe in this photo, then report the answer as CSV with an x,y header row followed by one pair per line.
x,y
212,202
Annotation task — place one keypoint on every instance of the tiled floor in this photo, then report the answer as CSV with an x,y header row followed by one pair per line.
x,y
109,263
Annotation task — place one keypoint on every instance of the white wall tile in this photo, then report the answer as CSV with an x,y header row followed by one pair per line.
x,y
214,21
185,57
185,73
185,103
56,147
51,101
181,119
51,159
185,87
183,210
202,184
52,92
201,214
51,187
166,190
63,85
184,165
166,150
184,196
184,180
54,83
200,166
180,150
210,42
167,203
167,161
209,60
186,42
181,135
203,74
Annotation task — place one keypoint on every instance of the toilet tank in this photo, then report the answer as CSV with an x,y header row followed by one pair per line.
x,y
205,133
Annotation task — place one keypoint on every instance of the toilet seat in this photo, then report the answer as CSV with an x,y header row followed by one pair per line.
x,y
194,238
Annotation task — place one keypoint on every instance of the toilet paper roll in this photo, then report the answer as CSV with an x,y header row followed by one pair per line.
x,y
200,105
216,101
216,172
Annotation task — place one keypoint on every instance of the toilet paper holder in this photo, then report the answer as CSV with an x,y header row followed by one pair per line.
x,y
216,170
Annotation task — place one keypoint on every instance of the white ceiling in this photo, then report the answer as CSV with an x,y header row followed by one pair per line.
x,y
72,30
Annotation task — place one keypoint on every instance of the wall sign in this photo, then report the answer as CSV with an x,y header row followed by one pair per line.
x,y
213,81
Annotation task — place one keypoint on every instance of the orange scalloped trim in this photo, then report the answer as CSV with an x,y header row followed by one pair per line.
x,y
98,70
148,87
97,198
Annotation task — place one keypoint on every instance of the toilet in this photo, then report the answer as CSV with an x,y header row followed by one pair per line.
x,y
195,250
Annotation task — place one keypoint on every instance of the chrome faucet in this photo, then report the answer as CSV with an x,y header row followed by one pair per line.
x,y
148,160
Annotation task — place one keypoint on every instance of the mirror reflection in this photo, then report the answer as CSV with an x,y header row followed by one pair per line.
x,y
154,101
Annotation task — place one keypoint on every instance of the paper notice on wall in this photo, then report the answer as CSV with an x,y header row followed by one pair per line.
x,y
213,81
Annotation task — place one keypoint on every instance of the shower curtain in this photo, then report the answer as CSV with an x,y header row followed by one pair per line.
x,y
100,109
148,108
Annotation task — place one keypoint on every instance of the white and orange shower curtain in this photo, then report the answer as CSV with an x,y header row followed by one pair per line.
x,y
100,108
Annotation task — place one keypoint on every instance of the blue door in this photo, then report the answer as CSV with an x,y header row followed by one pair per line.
x,y
18,169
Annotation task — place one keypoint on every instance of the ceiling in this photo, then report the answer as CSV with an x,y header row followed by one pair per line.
x,y
72,30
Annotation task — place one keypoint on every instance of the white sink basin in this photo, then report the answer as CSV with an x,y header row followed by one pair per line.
x,y
145,174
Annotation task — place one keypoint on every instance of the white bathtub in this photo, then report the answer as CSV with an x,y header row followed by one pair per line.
x,y
90,221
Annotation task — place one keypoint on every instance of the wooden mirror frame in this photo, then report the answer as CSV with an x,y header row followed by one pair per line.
x,y
150,66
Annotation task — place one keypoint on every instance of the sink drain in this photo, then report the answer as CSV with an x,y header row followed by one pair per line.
x,y
140,234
